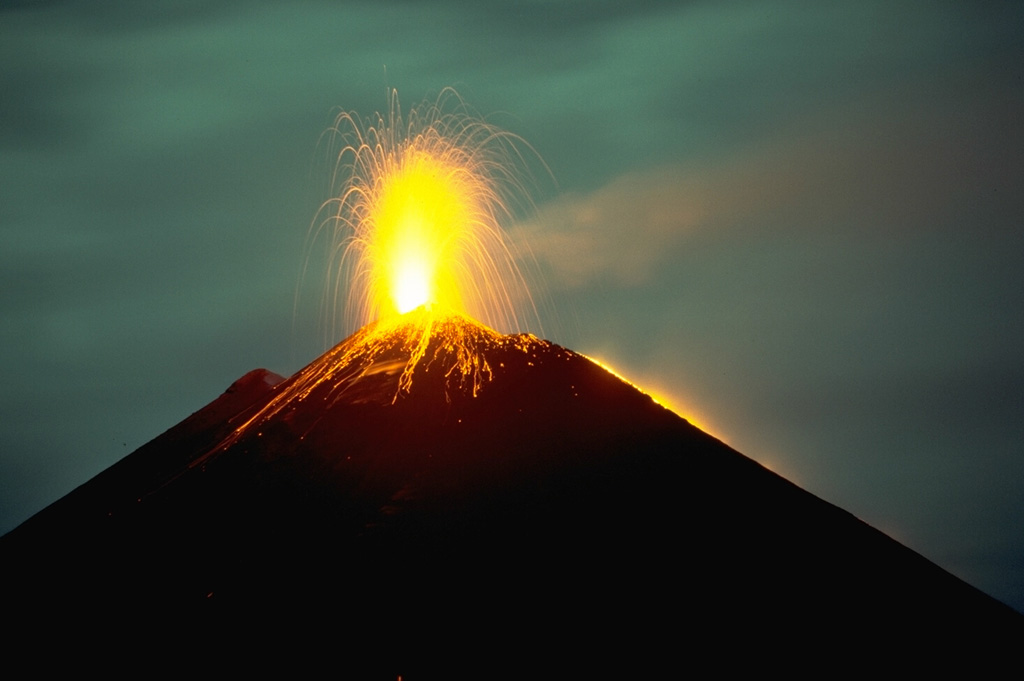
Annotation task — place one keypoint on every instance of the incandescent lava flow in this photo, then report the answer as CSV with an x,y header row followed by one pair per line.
x,y
417,222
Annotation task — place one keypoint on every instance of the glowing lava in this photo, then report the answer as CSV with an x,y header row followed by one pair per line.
x,y
418,217
417,222
416,238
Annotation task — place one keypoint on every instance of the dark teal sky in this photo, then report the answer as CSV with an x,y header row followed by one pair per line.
x,y
800,222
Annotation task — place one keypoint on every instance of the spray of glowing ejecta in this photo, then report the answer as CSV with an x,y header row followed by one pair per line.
x,y
418,218
416,224
415,237
415,240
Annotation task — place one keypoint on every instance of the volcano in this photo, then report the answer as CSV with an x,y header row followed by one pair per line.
x,y
503,495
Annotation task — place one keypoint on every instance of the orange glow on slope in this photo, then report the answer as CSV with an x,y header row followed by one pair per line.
x,y
667,402
418,215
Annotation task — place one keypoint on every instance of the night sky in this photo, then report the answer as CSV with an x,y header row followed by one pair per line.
x,y
798,223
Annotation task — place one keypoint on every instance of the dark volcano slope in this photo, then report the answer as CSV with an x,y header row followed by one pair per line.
x,y
560,509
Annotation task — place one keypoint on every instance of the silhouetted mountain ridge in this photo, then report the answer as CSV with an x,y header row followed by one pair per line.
x,y
557,495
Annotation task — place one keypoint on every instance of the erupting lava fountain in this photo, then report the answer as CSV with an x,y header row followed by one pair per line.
x,y
415,234
417,221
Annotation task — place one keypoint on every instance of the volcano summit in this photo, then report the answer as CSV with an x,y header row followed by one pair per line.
x,y
502,494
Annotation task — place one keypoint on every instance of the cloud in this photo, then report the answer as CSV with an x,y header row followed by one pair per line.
x,y
621,231
908,166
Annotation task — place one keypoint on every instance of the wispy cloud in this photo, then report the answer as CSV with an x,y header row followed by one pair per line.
x,y
621,231
910,166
